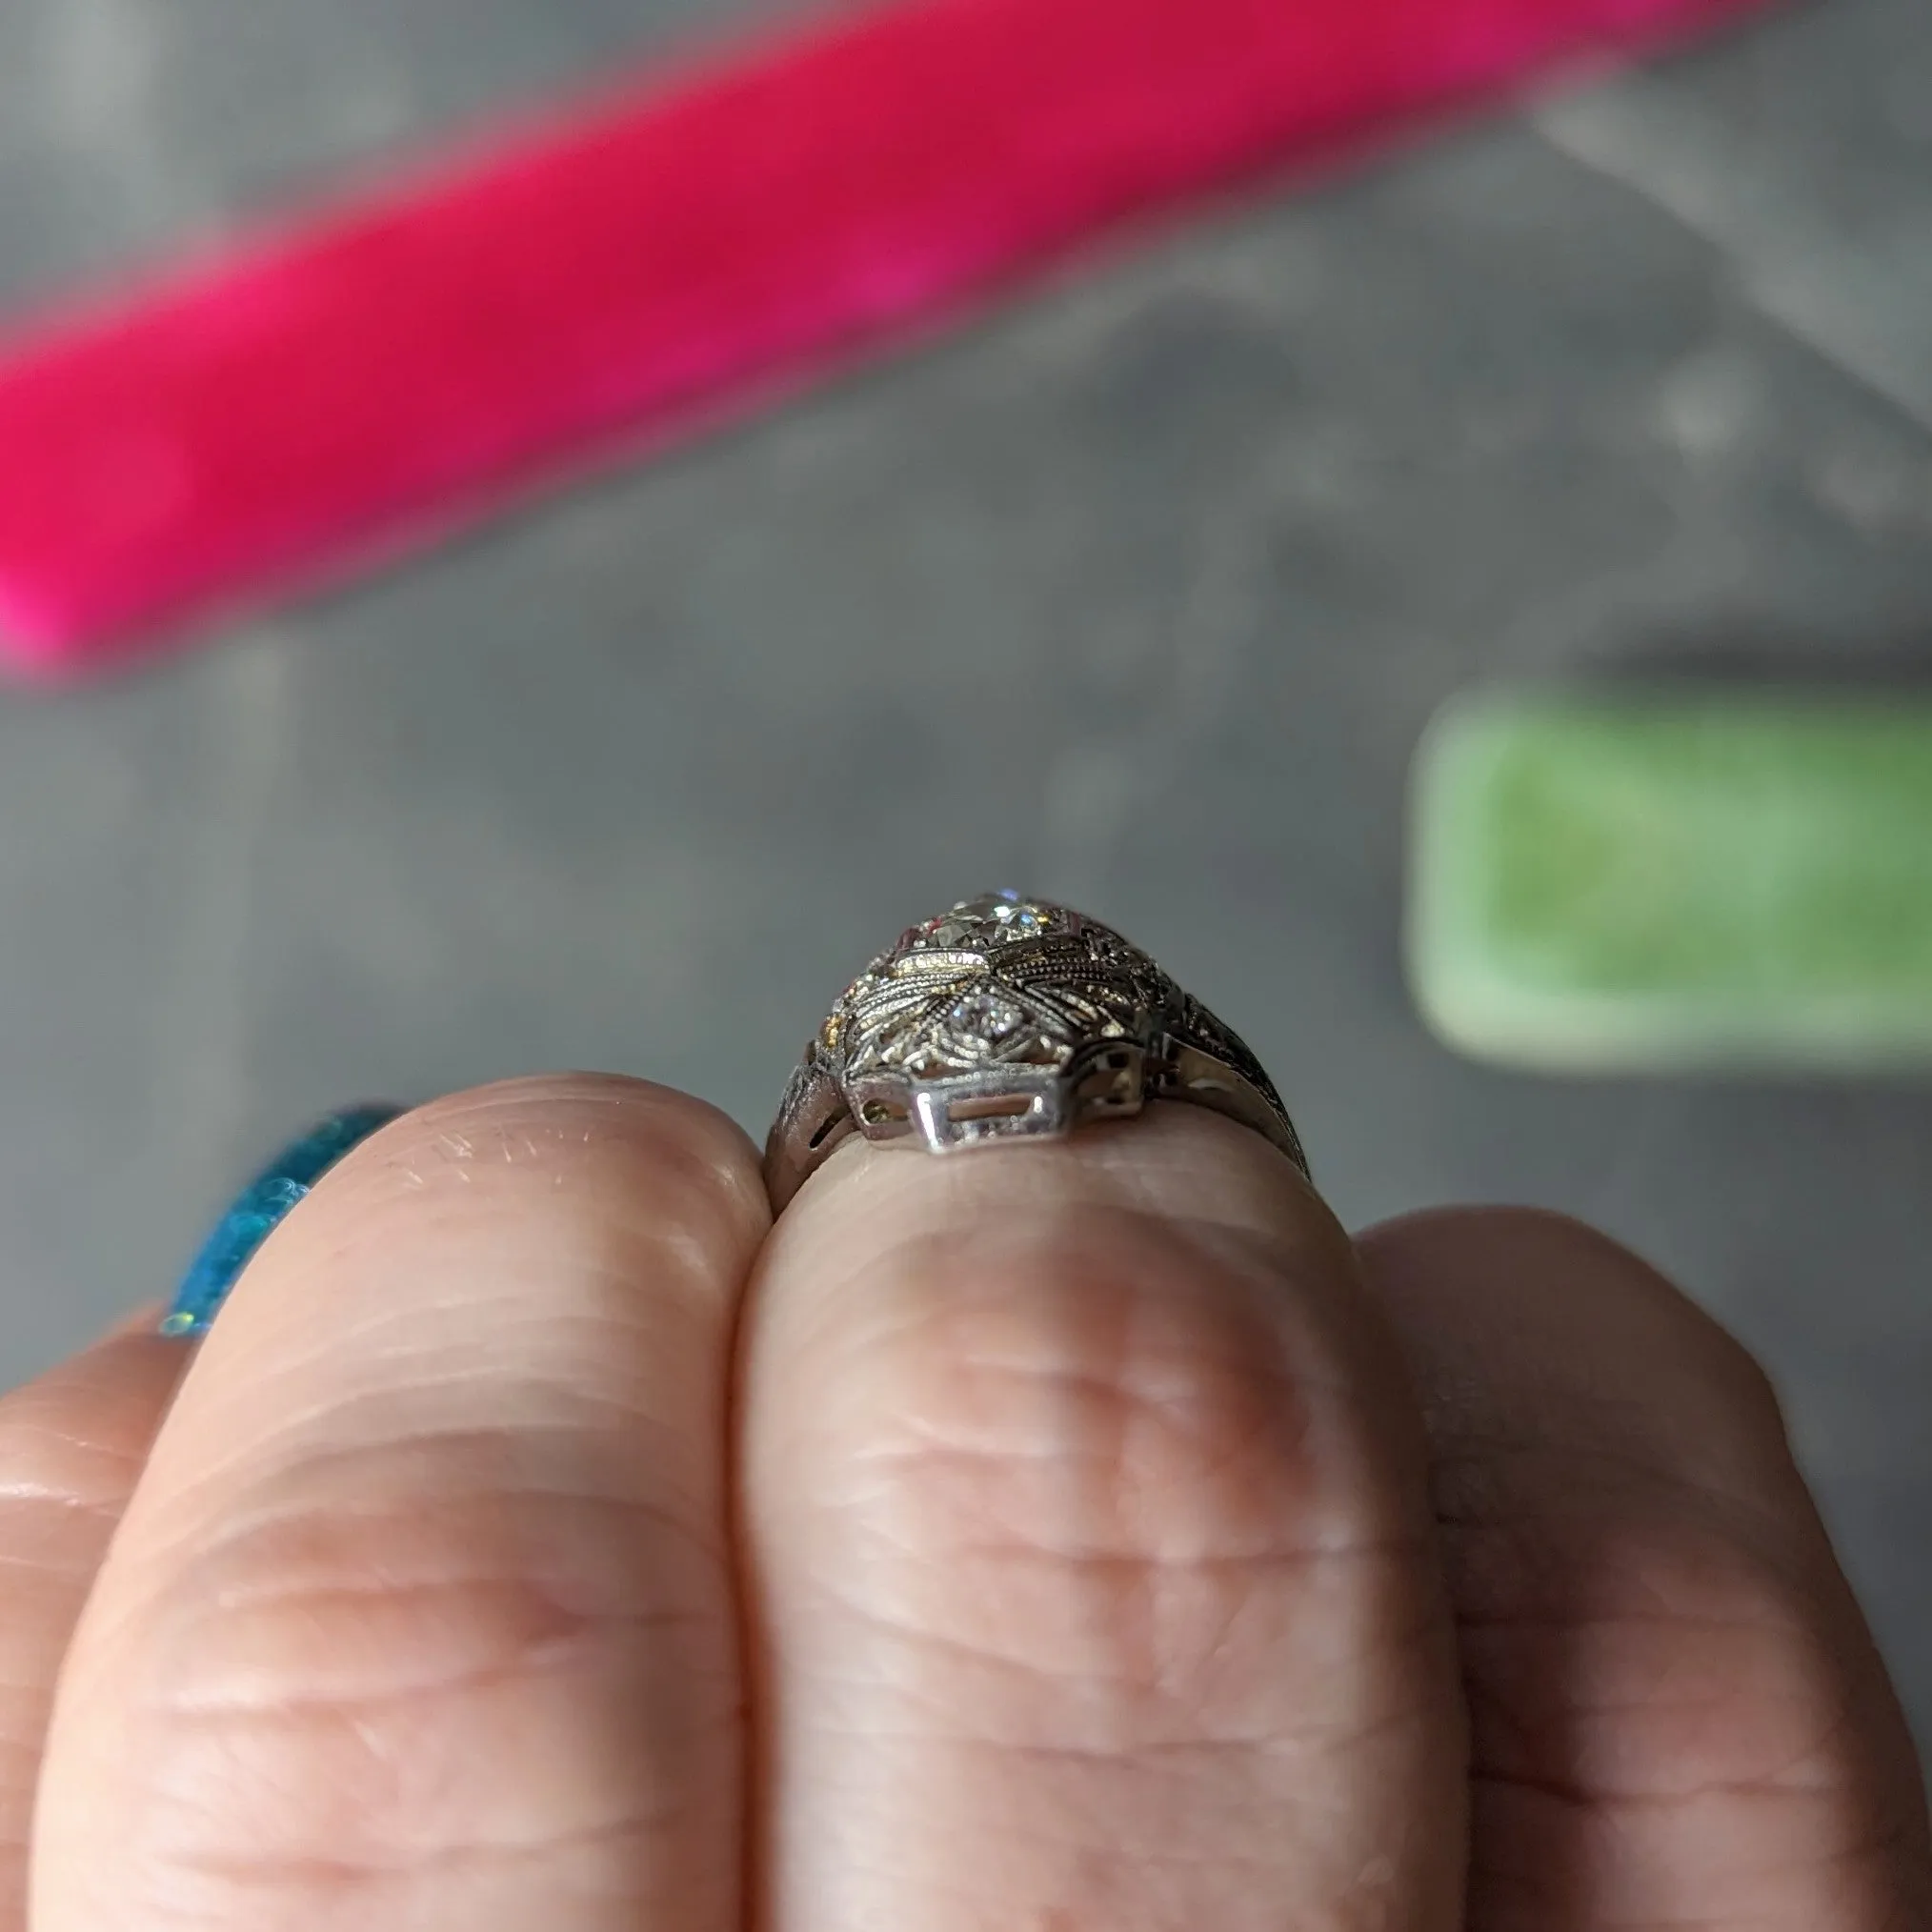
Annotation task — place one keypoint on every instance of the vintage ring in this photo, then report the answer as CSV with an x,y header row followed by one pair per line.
x,y
1009,1019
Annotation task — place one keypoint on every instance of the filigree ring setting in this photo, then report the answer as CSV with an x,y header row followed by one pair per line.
x,y
1009,1019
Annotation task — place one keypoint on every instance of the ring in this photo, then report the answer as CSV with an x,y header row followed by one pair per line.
x,y
1009,1019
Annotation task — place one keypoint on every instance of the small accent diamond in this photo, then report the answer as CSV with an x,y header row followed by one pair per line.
x,y
985,1016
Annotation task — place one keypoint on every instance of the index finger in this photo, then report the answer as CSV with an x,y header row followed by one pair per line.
x,y
72,1443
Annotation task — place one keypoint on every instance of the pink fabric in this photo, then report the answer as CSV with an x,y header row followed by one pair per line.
x,y
393,366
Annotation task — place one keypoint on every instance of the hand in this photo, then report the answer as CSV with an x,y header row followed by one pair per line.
x,y
1080,1538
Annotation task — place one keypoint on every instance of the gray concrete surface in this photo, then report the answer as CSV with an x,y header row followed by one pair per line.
x,y
1637,377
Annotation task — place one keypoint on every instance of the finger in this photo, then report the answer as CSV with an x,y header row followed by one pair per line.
x,y
71,1446
1679,1715
1092,1571
421,1614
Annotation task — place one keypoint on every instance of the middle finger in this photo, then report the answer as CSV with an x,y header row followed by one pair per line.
x,y
421,1614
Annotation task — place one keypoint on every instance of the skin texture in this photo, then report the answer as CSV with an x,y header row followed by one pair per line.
x,y
72,1445
1050,1539
1093,1572
1678,1715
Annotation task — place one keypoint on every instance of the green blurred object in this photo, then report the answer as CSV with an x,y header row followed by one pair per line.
x,y
1616,883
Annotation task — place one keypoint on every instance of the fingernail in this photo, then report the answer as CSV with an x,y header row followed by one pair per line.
x,y
259,1209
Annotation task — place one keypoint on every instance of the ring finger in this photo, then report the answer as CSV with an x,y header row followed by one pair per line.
x,y
1093,1573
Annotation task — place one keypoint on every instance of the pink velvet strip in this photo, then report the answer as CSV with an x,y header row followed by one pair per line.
x,y
326,393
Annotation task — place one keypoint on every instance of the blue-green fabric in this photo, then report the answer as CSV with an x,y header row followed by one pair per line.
x,y
260,1208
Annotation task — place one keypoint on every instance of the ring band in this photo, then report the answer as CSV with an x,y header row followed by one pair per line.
x,y
1009,1019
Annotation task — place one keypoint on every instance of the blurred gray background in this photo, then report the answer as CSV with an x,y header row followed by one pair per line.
x,y
1137,593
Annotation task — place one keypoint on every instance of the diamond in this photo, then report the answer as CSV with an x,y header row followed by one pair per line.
x,y
945,932
986,1016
